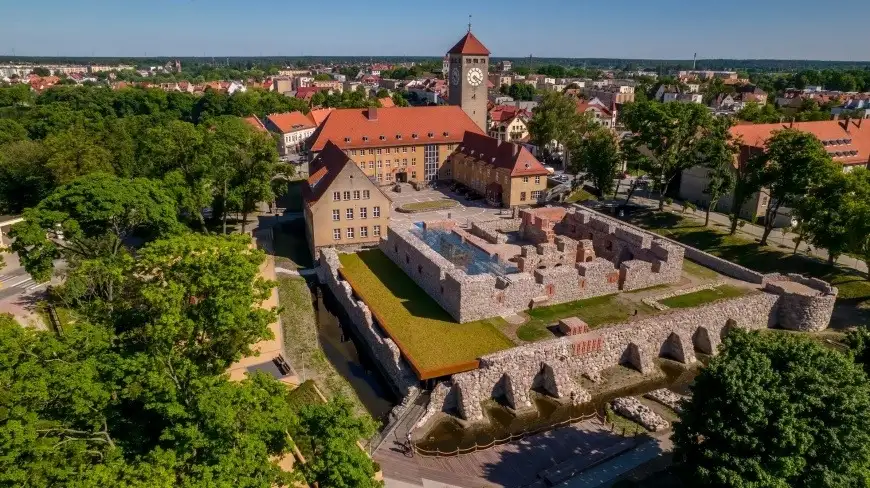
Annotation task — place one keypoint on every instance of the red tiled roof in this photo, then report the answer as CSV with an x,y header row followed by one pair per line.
x,y
324,169
833,133
584,106
469,45
351,128
306,92
317,116
513,157
290,121
386,102
255,122
502,113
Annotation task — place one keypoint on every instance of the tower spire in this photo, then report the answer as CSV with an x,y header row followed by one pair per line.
x,y
469,22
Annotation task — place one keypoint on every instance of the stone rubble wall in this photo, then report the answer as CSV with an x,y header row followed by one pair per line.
x,y
383,349
633,409
442,399
667,398
807,307
494,231
675,334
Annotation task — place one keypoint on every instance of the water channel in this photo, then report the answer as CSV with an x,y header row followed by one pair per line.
x,y
349,355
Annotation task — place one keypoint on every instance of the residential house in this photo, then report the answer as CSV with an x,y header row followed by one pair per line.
x,y
294,128
610,94
509,123
673,93
600,112
331,85
506,173
847,141
343,208
396,144
505,66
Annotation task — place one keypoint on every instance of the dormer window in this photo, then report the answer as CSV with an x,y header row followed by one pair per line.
x,y
446,133
347,139
431,134
399,137
528,166
365,138
383,138
414,135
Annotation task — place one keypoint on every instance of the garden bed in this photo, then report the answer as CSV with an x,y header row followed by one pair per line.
x,y
430,206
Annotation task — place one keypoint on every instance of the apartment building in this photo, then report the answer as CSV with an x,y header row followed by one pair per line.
x,y
505,172
399,144
343,208
602,114
509,123
610,94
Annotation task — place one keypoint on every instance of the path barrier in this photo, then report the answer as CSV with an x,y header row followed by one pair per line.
x,y
515,437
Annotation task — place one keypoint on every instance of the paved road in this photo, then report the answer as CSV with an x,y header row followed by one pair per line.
x,y
17,282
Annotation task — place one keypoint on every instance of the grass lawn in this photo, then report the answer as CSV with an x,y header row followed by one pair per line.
x,y
594,311
427,335
699,271
302,395
704,296
580,195
854,287
428,206
622,424
301,341
291,248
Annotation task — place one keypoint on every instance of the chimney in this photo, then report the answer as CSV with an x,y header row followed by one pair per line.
x,y
372,113
515,149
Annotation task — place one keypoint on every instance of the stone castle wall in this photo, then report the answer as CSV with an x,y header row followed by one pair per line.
x,y
807,303
384,350
552,364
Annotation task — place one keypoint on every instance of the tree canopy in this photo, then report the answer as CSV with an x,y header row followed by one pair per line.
x,y
779,411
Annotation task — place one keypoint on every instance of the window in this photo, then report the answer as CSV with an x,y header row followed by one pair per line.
x,y
380,164
350,232
346,195
413,160
336,234
349,214
371,165
336,215
448,171
376,230
414,149
525,179
430,162
365,194
387,149
371,151
376,212
336,196
380,176
537,180
405,149
363,231
356,194
379,150
396,161
522,196
389,177
536,195
387,163
353,152
413,175
363,212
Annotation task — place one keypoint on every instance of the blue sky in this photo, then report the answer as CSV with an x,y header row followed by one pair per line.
x,y
658,29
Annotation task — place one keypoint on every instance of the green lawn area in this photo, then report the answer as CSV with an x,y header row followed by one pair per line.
x,y
699,271
302,395
428,206
594,311
428,336
704,296
854,287
291,248
302,344
580,195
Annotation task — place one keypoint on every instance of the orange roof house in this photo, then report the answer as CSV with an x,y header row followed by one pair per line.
x,y
255,122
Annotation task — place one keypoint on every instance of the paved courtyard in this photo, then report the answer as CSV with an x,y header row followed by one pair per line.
x,y
465,213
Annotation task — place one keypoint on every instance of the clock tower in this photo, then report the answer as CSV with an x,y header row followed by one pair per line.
x,y
467,76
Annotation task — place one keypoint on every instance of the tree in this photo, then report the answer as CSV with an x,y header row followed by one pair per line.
x,y
793,163
598,155
717,154
762,414
322,77
825,213
399,100
75,153
11,131
91,218
666,138
382,93
759,114
40,71
24,177
332,431
521,91
257,168
859,211
556,121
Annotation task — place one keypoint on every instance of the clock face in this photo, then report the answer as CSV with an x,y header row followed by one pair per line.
x,y
475,76
455,76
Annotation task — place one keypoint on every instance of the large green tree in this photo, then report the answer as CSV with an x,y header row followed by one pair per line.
x,y
776,410
718,154
598,156
859,212
24,177
794,163
666,138
556,122
94,217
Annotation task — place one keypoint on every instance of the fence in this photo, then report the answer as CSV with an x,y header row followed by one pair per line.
x,y
524,434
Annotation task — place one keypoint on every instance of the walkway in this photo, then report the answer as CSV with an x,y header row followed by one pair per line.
x,y
754,232
519,463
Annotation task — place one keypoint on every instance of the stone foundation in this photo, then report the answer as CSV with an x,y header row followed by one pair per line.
x,y
633,409
667,398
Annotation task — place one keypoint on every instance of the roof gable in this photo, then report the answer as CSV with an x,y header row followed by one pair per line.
x,y
469,45
507,155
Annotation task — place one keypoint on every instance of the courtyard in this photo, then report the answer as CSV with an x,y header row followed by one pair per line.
x,y
431,341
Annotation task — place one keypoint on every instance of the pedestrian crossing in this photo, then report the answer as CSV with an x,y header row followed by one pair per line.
x,y
20,282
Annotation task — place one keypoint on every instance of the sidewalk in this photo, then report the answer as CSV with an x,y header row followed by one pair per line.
x,y
754,232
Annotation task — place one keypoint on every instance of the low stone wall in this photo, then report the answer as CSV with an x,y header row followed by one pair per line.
x,y
667,398
384,350
552,364
807,303
633,409
493,231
